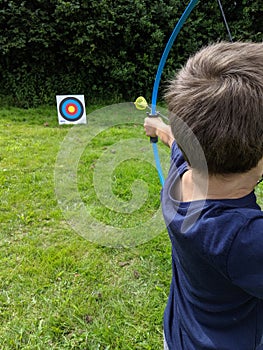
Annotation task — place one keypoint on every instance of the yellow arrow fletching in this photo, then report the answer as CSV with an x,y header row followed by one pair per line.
x,y
141,103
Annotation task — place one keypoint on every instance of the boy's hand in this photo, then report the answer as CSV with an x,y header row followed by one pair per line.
x,y
156,127
151,126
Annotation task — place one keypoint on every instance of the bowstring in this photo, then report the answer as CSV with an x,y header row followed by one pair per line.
x,y
225,20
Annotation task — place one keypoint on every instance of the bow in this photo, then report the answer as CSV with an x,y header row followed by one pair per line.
x,y
167,49
141,101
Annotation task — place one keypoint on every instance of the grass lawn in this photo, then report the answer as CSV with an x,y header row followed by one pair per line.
x,y
61,287
98,280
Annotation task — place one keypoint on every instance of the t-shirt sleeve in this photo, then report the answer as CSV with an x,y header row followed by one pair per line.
x,y
245,260
176,155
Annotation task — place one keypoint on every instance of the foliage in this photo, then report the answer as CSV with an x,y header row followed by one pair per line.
x,y
105,49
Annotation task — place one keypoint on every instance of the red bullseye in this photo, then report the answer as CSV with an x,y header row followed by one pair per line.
x,y
72,109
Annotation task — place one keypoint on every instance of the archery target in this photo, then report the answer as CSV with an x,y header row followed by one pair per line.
x,y
71,109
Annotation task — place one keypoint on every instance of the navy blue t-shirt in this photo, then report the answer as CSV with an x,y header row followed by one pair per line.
x,y
216,293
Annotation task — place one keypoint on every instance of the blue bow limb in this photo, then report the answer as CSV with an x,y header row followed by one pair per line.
x,y
167,49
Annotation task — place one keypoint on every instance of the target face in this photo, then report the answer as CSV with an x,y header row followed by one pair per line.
x,y
71,109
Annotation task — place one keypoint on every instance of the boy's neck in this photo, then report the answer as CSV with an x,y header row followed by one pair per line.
x,y
196,186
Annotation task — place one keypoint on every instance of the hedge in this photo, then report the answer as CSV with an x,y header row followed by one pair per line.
x,y
108,50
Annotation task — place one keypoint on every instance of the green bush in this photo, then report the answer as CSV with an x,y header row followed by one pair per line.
x,y
107,50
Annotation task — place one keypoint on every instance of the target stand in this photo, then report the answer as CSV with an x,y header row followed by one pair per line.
x,y
71,109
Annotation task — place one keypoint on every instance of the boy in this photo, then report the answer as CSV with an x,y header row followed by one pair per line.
x,y
215,105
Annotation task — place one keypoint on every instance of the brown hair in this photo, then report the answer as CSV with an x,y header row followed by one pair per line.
x,y
219,95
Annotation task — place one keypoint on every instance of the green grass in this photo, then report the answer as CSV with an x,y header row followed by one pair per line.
x,y
59,290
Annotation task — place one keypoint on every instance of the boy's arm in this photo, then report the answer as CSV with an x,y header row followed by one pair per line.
x,y
156,127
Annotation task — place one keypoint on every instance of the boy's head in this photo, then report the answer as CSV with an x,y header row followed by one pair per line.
x,y
219,95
